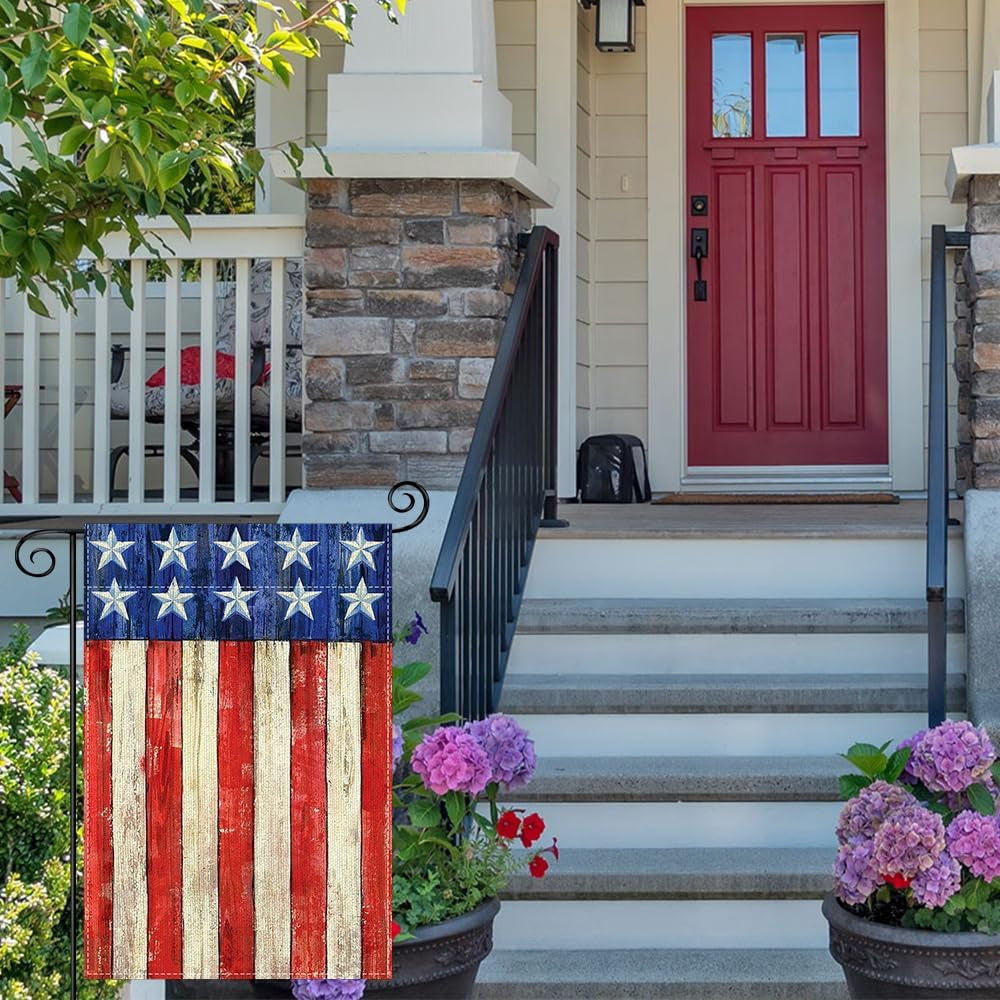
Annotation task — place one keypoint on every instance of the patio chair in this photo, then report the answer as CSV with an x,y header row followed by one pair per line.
x,y
260,374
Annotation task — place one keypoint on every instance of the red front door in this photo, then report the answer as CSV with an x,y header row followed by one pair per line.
x,y
786,330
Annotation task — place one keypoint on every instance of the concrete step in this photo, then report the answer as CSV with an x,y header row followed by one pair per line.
x,y
566,694
681,873
595,616
814,565
661,974
689,779
754,653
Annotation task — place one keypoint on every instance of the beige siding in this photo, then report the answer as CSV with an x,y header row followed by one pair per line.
x,y
515,28
585,251
618,334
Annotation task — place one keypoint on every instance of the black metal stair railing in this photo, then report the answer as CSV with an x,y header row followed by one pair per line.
x,y
507,490
938,487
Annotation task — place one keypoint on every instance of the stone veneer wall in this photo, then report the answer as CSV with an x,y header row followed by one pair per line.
x,y
977,341
408,284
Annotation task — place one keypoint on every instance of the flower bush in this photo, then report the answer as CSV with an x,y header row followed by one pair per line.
x,y
453,847
920,835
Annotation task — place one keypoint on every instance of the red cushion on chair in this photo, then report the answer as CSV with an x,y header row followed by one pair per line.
x,y
225,367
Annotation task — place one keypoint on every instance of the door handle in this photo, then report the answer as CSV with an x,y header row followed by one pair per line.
x,y
699,250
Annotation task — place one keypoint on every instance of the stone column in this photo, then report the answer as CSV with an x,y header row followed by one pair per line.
x,y
408,283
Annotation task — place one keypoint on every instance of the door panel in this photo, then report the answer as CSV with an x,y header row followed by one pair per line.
x,y
787,347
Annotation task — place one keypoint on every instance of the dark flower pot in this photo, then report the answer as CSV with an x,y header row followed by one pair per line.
x,y
440,962
881,962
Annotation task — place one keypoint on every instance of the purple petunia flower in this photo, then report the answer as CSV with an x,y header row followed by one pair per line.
x,y
952,756
865,813
416,629
974,840
908,841
397,743
328,989
855,874
450,760
936,885
511,753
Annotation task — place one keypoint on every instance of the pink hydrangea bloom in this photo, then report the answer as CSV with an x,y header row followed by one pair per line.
x,y
854,871
510,751
908,841
450,760
397,743
864,814
936,885
974,840
328,989
952,756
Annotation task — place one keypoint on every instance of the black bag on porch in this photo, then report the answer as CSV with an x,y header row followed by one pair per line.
x,y
611,468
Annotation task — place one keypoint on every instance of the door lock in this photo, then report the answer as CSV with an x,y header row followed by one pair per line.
x,y
699,251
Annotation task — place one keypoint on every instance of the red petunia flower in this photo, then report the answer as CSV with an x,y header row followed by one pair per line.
x,y
897,881
538,866
532,828
508,824
395,928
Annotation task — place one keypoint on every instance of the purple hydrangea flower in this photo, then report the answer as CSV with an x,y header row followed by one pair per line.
x,y
974,840
865,813
450,760
855,874
328,989
511,753
908,841
397,743
909,743
952,756
936,885
416,629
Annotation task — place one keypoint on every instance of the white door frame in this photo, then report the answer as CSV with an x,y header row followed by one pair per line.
x,y
667,413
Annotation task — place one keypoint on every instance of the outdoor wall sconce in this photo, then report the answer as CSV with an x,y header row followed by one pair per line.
x,y
615,23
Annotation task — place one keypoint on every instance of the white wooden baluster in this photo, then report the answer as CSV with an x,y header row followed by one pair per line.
x,y
276,437
102,385
241,402
3,381
66,402
206,421
172,384
137,387
29,407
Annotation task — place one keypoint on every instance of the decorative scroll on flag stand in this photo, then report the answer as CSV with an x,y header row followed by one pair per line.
x,y
232,616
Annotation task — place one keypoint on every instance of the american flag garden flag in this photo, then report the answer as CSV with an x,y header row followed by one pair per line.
x,y
237,751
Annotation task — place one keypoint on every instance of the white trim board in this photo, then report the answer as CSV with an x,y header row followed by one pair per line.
x,y
667,366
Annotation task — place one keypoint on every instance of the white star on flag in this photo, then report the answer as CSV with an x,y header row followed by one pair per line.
x,y
114,599
236,550
236,600
173,601
298,600
111,550
361,600
296,550
361,550
173,550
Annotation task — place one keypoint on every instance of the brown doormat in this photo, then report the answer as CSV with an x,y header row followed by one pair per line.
x,y
775,498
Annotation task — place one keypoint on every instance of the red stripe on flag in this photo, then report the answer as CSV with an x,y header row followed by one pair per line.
x,y
376,810
236,901
164,790
98,875
308,667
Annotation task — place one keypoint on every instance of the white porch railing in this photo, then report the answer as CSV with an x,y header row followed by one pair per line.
x,y
68,424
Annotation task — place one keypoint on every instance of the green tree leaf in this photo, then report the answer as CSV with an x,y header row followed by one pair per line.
x,y
76,23
74,139
35,64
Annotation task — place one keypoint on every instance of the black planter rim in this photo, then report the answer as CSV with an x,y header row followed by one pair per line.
x,y
454,925
844,920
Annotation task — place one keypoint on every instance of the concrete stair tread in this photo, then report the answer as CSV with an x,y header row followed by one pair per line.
x,y
553,693
689,779
702,615
694,974
682,873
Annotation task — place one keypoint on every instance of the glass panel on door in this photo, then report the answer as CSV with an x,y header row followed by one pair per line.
x,y
839,97
785,84
731,111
